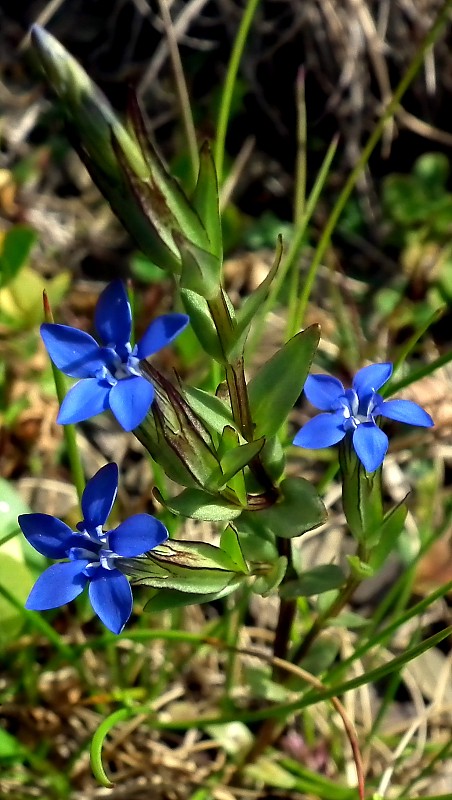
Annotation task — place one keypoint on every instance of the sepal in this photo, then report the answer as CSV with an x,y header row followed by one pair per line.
x,y
192,567
361,496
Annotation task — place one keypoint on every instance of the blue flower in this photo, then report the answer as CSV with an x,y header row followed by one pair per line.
x,y
110,372
92,553
352,412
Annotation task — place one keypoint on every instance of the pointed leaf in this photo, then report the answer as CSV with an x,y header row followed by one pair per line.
x,y
15,248
299,509
253,303
229,542
270,580
278,384
166,599
257,542
202,324
388,535
235,460
317,580
209,408
197,504
206,202
201,271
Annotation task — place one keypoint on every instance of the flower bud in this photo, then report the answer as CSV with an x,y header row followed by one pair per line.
x,y
126,168
175,437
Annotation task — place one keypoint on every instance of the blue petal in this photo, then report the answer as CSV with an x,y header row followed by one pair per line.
x,y
74,352
111,598
137,535
369,379
322,431
370,445
58,585
130,400
161,332
405,411
86,399
113,315
48,535
322,391
99,496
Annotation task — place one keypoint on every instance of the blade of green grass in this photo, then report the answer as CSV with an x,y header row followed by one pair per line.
x,y
229,84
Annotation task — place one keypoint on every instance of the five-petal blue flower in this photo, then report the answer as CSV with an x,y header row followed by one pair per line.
x,y
353,412
110,372
92,552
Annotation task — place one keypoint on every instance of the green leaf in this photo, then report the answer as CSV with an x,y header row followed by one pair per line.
x,y
196,504
216,414
298,510
235,460
359,569
145,270
15,249
273,457
269,773
257,542
202,324
315,581
229,542
388,534
206,202
254,303
276,387
167,599
201,271
268,581
229,441
10,747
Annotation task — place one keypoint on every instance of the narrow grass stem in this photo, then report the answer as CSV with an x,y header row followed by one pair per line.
x,y
181,89
301,165
417,375
229,85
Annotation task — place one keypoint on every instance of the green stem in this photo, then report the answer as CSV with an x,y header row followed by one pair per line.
x,y
286,613
237,388
301,166
229,85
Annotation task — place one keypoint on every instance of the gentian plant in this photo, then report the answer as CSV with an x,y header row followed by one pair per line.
x,y
225,448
